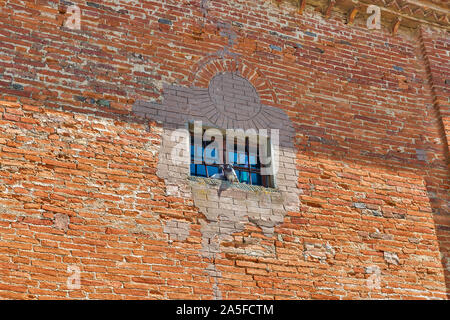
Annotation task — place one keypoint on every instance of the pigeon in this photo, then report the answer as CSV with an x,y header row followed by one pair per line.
x,y
228,176
229,173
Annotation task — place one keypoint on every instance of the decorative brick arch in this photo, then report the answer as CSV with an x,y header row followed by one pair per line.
x,y
208,67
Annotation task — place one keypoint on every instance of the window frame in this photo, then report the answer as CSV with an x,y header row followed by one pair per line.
x,y
267,181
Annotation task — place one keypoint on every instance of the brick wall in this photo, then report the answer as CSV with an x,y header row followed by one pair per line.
x,y
84,120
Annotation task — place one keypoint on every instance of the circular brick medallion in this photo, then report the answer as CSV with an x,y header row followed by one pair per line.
x,y
234,96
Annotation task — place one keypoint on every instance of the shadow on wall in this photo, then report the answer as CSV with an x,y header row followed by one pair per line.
x,y
429,163
230,101
440,203
443,235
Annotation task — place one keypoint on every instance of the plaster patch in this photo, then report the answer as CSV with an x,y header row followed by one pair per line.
x,y
61,221
177,230
230,102
321,252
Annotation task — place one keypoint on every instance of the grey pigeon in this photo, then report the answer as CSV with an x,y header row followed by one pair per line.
x,y
230,174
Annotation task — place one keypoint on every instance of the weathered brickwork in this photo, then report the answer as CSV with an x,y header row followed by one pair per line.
x,y
361,207
229,102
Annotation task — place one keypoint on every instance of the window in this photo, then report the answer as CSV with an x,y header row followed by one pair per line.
x,y
243,153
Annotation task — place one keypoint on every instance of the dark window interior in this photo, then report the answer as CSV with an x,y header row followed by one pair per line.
x,y
246,165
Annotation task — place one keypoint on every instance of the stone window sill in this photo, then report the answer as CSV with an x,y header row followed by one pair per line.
x,y
238,185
